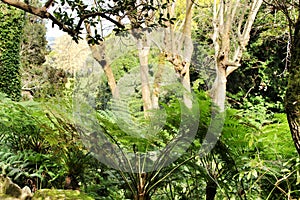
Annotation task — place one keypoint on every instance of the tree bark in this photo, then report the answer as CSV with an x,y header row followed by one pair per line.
x,y
157,81
218,91
143,51
175,45
98,53
188,51
292,98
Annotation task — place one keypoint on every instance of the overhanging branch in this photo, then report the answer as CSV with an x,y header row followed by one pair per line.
x,y
44,14
40,12
86,16
48,3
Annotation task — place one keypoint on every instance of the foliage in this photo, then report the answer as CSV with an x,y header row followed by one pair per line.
x,y
33,54
264,169
122,64
53,83
28,167
26,134
248,162
45,150
33,43
262,76
11,26
20,128
93,14
241,164
44,79
70,56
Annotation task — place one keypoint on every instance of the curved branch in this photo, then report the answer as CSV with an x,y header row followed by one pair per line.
x,y
86,16
44,14
48,3
40,12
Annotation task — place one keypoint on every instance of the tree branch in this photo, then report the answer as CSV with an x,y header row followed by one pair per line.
x,y
44,14
86,16
40,12
244,36
48,3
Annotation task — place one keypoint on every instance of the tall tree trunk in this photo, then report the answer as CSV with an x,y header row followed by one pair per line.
x,y
228,55
222,27
143,51
188,51
143,47
98,52
292,98
173,47
218,92
157,81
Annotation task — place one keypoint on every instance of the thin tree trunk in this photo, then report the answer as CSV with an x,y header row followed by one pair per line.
x,y
173,46
218,92
99,56
98,52
143,51
294,123
222,50
157,81
188,51
292,98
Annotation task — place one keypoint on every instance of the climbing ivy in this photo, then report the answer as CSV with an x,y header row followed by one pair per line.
x,y
11,24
